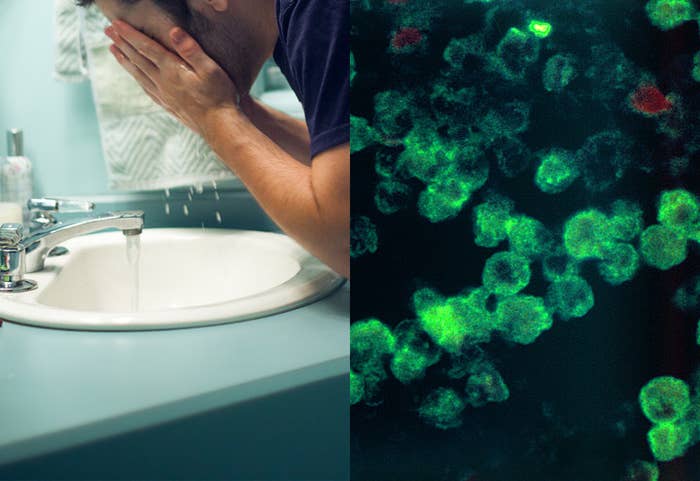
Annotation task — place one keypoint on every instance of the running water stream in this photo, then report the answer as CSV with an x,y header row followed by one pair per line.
x,y
133,257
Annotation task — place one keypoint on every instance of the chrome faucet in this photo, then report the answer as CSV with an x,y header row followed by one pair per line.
x,y
20,253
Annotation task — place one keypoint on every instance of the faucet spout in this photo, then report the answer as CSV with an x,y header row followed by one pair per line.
x,y
38,245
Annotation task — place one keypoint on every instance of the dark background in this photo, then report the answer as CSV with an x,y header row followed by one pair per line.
x,y
572,414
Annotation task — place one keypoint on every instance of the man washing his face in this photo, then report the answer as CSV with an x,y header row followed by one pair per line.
x,y
199,58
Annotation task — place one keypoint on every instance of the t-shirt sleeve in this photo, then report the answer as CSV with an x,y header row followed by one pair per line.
x,y
317,40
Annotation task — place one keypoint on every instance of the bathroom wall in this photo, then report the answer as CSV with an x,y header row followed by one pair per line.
x,y
59,119
61,134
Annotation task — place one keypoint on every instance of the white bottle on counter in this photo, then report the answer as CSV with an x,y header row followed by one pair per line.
x,y
15,181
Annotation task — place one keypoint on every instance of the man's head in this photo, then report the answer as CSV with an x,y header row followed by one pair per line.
x,y
239,35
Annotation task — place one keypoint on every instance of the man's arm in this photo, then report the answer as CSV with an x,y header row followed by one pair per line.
x,y
311,203
289,133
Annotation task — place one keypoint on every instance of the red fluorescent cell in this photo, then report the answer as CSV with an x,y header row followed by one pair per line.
x,y
405,37
648,99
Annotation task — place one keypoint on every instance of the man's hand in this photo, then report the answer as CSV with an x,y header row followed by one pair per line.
x,y
187,83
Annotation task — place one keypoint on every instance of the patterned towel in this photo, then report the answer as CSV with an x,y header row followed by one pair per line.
x,y
145,148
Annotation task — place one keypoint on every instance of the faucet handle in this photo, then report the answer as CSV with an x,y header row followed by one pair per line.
x,y
11,235
60,205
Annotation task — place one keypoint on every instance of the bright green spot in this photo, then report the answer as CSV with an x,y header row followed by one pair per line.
x,y
586,233
363,237
522,318
490,221
619,264
662,247
625,220
570,297
669,441
665,399
539,28
528,237
679,209
556,172
486,386
668,14
357,387
440,319
442,408
506,273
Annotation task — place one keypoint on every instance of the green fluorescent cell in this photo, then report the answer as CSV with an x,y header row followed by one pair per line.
x,y
695,72
619,264
557,265
668,14
393,112
662,247
506,273
641,471
486,386
585,234
515,52
539,28
625,220
442,408
679,209
357,387
665,399
391,196
522,318
669,441
371,344
439,319
438,203
558,72
528,237
557,170
362,135
473,309
363,237
370,341
490,221
414,352
570,297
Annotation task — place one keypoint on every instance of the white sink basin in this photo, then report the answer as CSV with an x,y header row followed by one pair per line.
x,y
187,277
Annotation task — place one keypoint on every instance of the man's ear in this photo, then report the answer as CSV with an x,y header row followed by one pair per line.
x,y
218,5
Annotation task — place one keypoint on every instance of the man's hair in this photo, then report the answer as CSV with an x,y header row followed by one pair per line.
x,y
177,9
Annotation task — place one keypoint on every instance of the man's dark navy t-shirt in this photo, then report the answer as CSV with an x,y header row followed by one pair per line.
x,y
313,53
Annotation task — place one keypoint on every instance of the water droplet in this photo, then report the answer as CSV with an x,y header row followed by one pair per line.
x,y
218,217
167,192
185,210
199,188
216,195
213,184
191,189
167,209
189,196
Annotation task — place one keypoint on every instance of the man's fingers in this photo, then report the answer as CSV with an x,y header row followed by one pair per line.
x,y
192,53
138,74
143,63
144,44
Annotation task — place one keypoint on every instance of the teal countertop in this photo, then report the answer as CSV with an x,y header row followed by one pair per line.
x,y
62,389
